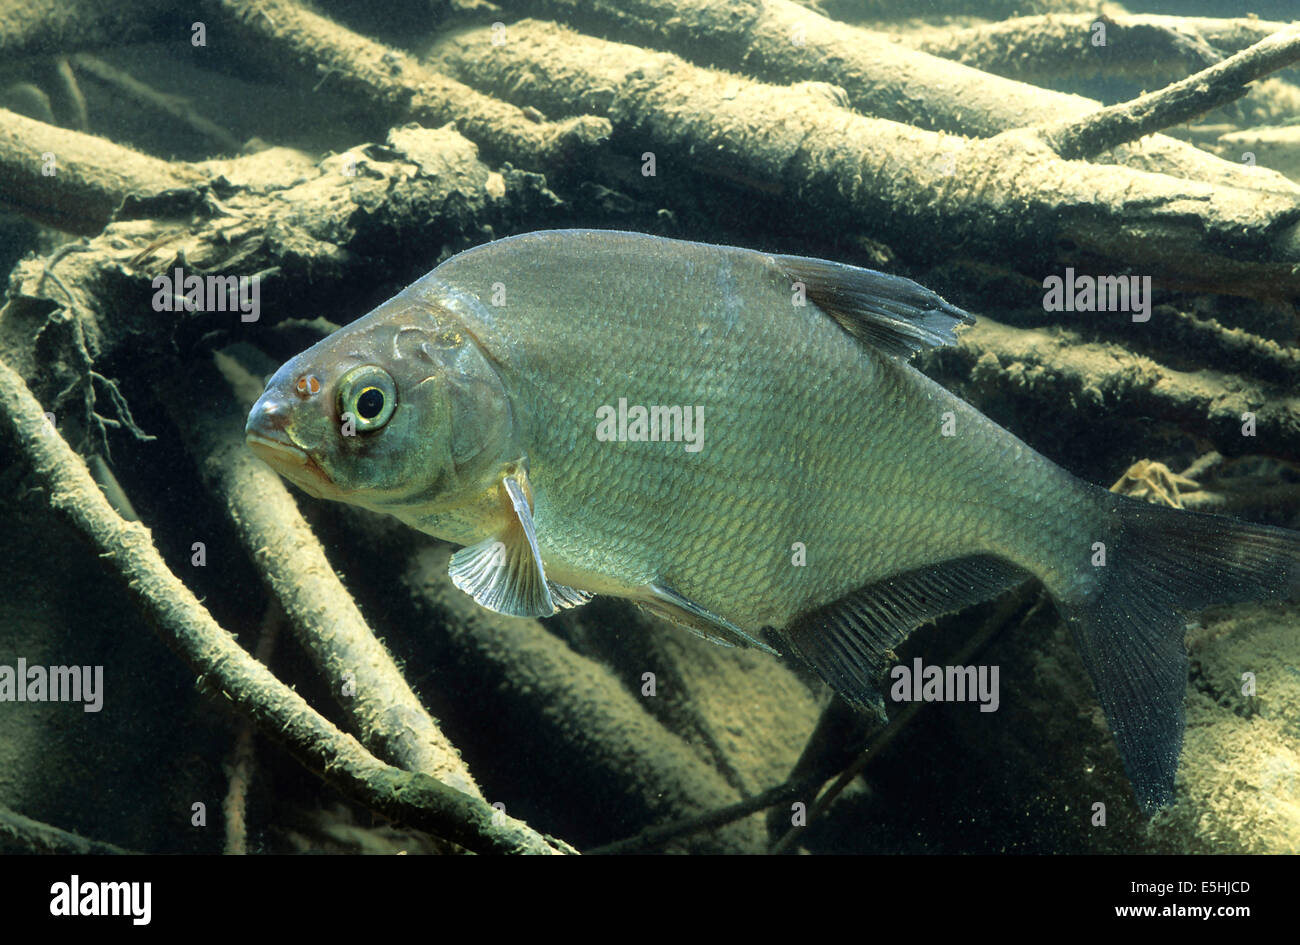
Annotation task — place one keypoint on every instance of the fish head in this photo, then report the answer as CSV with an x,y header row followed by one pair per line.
x,y
400,412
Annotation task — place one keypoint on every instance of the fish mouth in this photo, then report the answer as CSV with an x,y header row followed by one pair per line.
x,y
289,460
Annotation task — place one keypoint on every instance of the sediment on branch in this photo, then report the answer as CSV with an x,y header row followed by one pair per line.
x,y
782,42
1138,45
33,28
1058,367
1182,101
1002,197
73,181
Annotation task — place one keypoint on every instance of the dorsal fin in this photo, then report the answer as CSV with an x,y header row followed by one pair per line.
x,y
850,642
889,313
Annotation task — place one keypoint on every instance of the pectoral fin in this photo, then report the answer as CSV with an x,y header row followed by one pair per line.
x,y
667,603
505,573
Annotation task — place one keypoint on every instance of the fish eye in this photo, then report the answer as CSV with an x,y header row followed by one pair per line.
x,y
369,394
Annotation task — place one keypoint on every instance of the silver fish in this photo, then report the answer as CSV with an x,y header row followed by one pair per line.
x,y
735,440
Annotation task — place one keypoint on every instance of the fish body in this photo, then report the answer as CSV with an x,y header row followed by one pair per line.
x,y
736,441
806,436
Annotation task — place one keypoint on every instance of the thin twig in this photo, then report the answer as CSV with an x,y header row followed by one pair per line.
x,y
175,108
1219,84
658,836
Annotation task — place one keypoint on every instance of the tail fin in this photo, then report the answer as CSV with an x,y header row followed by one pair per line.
x,y
1162,563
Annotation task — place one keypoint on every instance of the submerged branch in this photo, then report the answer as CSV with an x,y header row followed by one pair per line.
x,y
1006,196
1047,47
1107,381
73,181
242,755
317,226
781,42
632,767
35,28
398,83
655,837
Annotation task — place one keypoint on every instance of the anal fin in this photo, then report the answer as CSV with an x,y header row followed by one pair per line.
x,y
850,642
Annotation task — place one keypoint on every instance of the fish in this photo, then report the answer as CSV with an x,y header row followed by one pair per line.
x,y
738,441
